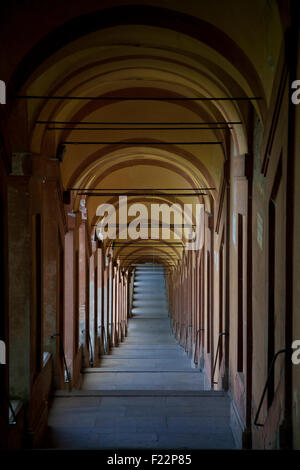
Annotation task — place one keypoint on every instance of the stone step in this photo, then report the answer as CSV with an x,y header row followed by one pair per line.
x,y
149,277
148,291
142,311
146,283
143,380
149,268
149,274
149,296
151,303
133,393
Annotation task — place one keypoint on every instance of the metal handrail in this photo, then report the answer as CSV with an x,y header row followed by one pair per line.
x,y
216,358
122,332
180,333
105,339
176,329
91,347
123,322
281,351
187,336
111,326
12,411
103,336
11,408
64,357
174,324
196,346
119,330
125,327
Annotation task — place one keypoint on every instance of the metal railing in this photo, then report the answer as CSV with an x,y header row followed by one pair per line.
x,y
196,362
174,328
119,333
189,328
281,351
216,358
111,326
186,336
118,330
12,420
182,326
11,409
90,347
67,378
123,329
103,338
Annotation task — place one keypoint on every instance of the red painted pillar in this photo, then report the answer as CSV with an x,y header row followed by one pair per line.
x,y
82,283
69,298
100,299
118,303
127,302
110,298
123,302
92,303
106,303
114,304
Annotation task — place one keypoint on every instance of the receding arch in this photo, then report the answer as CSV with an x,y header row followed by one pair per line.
x,y
196,28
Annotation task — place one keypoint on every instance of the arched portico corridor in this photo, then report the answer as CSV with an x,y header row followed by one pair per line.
x,y
149,196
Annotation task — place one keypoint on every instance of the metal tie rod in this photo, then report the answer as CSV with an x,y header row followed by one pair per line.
x,y
140,194
141,189
99,225
69,142
152,245
132,123
136,98
135,128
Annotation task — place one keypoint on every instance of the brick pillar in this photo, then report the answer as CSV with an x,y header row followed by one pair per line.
x,y
110,299
114,306
100,300
117,302
82,286
126,303
121,306
4,326
21,354
92,315
106,305
69,300
50,248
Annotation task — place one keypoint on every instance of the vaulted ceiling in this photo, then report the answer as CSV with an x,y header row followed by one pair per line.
x,y
170,50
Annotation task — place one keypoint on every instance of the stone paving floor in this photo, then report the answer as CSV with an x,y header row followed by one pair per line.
x,y
145,394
